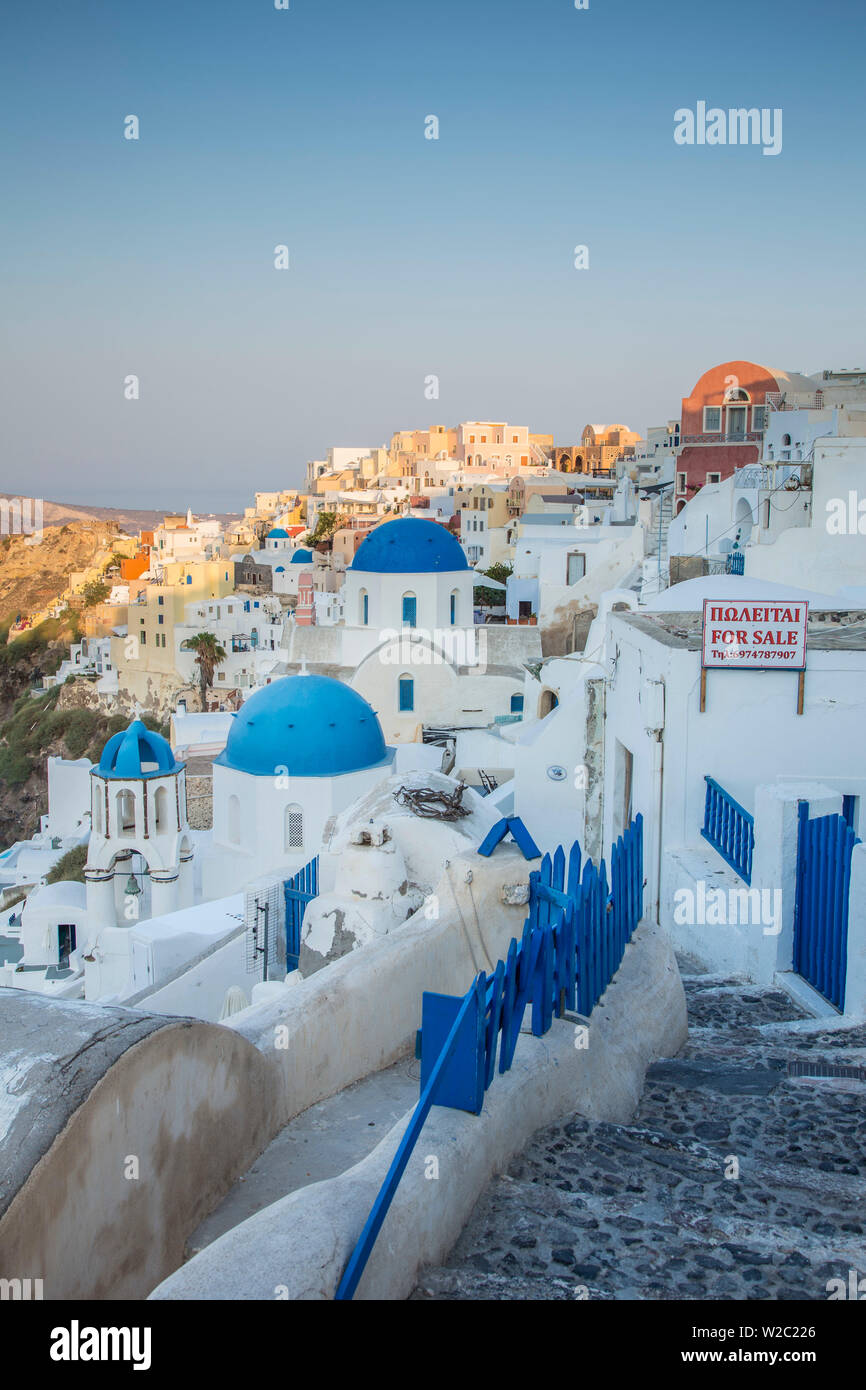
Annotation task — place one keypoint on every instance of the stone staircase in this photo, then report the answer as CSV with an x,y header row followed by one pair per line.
x,y
654,570
740,1177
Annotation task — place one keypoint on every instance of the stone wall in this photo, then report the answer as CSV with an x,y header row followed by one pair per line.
x,y
125,1129
199,802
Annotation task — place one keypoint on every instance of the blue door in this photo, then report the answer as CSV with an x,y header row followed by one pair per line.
x,y
824,849
407,693
299,890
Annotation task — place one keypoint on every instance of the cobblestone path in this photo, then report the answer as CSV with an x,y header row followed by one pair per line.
x,y
646,1211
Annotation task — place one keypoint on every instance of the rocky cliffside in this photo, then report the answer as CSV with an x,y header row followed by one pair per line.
x,y
35,571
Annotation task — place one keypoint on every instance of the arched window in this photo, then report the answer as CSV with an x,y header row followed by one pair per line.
x,y
293,837
96,817
517,704
364,599
786,441
125,813
547,703
454,597
160,807
406,694
234,820
410,610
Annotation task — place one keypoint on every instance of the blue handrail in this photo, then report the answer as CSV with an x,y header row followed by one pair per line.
x,y
573,943
361,1253
729,828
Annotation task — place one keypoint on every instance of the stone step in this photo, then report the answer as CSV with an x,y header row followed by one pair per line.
x,y
526,1234
652,1209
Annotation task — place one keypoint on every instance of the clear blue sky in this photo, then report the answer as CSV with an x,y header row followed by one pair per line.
x,y
408,256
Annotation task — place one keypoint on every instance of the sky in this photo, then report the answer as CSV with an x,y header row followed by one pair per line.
x,y
408,257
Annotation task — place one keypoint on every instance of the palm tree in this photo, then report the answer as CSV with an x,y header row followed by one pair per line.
x,y
208,655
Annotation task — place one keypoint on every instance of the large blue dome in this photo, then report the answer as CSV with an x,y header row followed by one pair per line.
x,y
410,546
301,557
312,725
137,752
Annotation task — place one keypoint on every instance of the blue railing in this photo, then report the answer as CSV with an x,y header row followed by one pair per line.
x,y
735,562
573,943
729,829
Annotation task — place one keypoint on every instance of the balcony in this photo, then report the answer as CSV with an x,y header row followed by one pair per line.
x,y
744,437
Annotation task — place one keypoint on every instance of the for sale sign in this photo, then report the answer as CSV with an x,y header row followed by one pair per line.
x,y
758,635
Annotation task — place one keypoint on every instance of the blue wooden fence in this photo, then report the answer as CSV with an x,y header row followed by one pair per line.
x,y
729,829
299,890
572,945
735,562
824,848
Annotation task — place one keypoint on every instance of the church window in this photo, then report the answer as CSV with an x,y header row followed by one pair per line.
x,y
294,827
161,808
125,813
406,693
454,608
410,610
365,607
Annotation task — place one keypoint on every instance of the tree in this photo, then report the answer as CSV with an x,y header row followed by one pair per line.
x,y
208,655
94,592
490,598
326,524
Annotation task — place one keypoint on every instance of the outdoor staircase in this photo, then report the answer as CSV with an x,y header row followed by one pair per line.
x,y
652,1209
655,543
654,576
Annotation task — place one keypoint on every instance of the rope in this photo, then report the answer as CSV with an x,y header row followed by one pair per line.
x,y
433,805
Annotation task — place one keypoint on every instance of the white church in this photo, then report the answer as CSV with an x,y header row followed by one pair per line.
x,y
409,643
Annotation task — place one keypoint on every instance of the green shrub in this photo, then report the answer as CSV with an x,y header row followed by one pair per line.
x,y
69,867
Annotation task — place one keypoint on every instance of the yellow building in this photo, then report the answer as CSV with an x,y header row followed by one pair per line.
x,y
148,664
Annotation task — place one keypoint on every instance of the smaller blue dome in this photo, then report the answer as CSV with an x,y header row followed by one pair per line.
x,y
278,534
137,752
410,546
313,726
301,557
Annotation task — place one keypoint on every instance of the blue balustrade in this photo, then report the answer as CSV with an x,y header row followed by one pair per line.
x,y
573,943
729,828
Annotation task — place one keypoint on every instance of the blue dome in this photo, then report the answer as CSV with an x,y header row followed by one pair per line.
x,y
278,534
312,725
301,557
410,546
137,752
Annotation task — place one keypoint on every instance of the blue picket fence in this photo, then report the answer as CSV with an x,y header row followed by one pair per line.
x,y
824,848
299,890
729,828
572,945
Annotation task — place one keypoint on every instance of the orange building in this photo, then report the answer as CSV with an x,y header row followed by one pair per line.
x,y
723,421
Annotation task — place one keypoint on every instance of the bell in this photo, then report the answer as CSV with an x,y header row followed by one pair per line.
x,y
132,888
